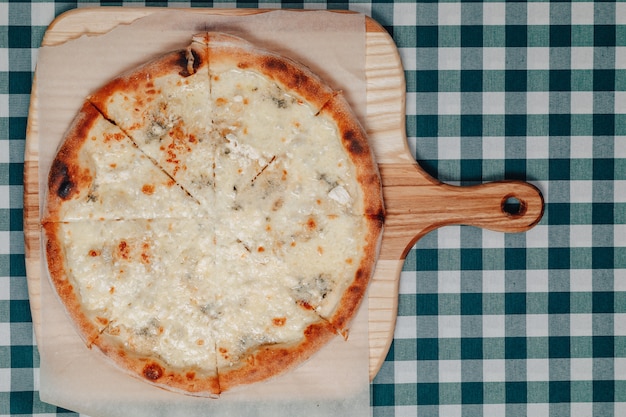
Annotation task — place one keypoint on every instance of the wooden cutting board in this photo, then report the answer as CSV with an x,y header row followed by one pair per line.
x,y
415,202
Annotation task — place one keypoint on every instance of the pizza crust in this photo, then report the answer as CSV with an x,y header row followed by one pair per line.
x,y
255,240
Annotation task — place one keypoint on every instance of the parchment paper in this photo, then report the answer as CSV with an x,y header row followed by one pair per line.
x,y
335,380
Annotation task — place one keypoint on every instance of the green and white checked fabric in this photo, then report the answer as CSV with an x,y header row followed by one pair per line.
x,y
488,324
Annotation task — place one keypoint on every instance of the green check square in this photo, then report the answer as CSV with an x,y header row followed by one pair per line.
x,y
405,394
449,36
5,311
620,302
538,36
537,392
493,36
5,357
449,348
581,347
581,391
620,391
582,35
449,304
580,257
582,80
537,347
537,80
493,303
493,348
582,124
580,302
405,36
449,260
494,393
450,393
537,303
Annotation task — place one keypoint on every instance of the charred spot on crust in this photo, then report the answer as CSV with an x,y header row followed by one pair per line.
x,y
380,216
275,64
60,177
352,139
183,62
153,371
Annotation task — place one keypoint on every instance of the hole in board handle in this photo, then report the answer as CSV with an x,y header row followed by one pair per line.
x,y
513,206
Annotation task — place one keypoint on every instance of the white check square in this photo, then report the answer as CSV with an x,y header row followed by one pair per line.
x,y
5,379
449,103
537,410
581,369
42,14
585,410
580,235
408,282
493,326
408,56
404,14
537,325
448,148
581,147
449,410
4,14
581,280
449,282
582,13
538,13
494,58
4,105
620,323
449,14
582,57
537,370
582,102
448,237
450,371
537,280
493,282
449,326
538,58
494,13
537,147
493,103
581,191
620,102
493,148
449,59
538,102
405,372
581,325
406,327
494,370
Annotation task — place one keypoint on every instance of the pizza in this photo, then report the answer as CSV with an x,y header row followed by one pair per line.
x,y
213,217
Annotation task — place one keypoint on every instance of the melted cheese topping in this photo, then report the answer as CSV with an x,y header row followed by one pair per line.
x,y
278,240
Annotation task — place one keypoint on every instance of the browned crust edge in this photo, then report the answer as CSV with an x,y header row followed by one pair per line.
x,y
293,76
184,62
67,179
272,360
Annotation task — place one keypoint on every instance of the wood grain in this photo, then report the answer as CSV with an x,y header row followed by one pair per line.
x,y
415,202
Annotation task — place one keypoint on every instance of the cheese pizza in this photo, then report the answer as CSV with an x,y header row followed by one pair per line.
x,y
213,217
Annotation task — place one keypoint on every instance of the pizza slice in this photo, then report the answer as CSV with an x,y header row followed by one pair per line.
x,y
261,330
137,290
164,107
99,173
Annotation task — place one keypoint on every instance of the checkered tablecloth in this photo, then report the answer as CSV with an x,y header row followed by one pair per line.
x,y
488,324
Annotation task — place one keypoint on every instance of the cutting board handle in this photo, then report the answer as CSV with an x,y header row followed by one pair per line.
x,y
417,204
